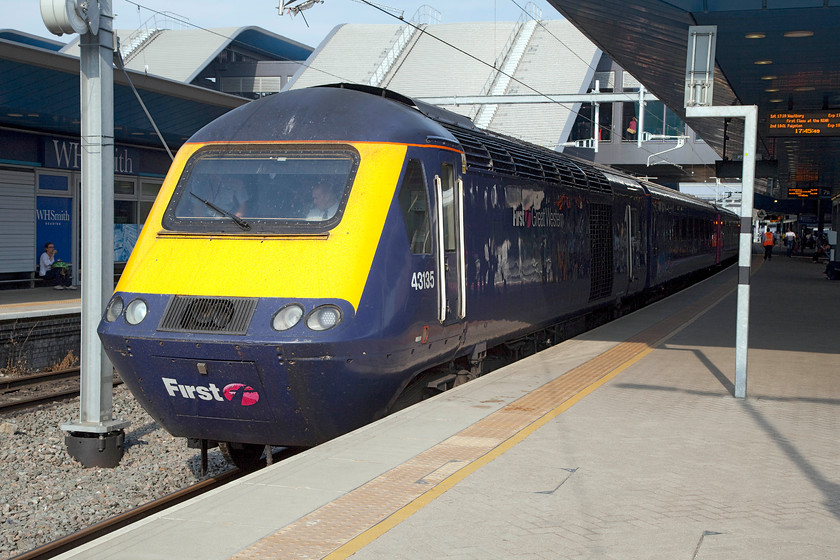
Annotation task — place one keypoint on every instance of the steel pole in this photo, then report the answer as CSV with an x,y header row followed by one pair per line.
x,y
97,434
750,115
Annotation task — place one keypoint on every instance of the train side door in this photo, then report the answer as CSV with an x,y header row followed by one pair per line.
x,y
452,304
634,245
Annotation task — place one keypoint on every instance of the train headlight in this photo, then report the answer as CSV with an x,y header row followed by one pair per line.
x,y
136,311
324,318
287,317
114,309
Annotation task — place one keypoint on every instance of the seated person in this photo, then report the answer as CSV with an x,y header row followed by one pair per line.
x,y
324,203
55,273
823,249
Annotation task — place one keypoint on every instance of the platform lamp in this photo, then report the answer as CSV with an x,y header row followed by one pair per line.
x,y
96,439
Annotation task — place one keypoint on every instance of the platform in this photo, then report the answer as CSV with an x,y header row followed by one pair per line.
x,y
623,443
43,301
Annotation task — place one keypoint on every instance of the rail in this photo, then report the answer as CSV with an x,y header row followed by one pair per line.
x,y
79,538
30,391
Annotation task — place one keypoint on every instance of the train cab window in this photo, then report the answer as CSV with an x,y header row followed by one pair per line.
x,y
448,202
276,189
414,203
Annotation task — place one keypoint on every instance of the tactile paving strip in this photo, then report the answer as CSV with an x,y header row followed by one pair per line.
x,y
331,528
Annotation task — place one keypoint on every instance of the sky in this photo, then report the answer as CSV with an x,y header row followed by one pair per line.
x,y
321,18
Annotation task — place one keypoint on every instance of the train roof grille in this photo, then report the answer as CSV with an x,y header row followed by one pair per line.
x,y
502,155
197,314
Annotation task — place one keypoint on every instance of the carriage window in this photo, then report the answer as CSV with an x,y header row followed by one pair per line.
x,y
448,193
415,208
277,189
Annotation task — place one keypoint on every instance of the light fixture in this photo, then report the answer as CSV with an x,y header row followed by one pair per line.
x,y
114,309
772,90
755,35
804,88
761,62
769,77
798,34
287,317
136,311
776,100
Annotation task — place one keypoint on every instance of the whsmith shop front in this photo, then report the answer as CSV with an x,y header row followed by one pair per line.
x,y
40,186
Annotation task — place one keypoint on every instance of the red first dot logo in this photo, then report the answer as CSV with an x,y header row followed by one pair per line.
x,y
241,394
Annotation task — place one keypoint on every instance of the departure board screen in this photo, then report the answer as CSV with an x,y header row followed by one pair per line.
x,y
797,192
810,123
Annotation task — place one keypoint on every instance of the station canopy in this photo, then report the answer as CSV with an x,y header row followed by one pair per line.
x,y
40,92
780,55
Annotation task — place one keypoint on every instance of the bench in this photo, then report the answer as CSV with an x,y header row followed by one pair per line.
x,y
30,278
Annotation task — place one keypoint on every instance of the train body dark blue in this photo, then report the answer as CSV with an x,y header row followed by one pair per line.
x,y
278,325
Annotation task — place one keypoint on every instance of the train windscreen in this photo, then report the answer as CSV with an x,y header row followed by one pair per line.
x,y
274,189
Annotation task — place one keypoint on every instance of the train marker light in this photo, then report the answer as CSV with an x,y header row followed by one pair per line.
x,y
136,311
114,310
324,318
287,317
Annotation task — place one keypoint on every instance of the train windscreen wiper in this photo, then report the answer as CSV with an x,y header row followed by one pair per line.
x,y
236,219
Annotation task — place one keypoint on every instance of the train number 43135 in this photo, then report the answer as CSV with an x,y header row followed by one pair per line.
x,y
423,280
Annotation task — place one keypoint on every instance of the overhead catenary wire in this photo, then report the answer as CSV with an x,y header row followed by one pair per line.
x,y
377,7
237,42
489,65
659,119
422,30
119,59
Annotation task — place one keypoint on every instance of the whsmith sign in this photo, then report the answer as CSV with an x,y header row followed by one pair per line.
x,y
62,153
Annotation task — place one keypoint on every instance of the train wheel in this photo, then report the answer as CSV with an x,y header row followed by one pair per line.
x,y
245,456
463,376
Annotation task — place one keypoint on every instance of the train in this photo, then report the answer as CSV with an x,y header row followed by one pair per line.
x,y
322,257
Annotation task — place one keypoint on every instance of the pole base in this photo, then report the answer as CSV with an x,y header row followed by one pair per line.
x,y
96,450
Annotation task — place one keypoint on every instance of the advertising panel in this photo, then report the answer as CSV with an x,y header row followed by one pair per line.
x,y
53,224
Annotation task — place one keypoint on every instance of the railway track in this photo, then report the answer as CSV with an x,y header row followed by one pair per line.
x,y
29,391
77,539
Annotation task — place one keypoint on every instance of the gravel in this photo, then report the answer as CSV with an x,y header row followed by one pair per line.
x,y
46,494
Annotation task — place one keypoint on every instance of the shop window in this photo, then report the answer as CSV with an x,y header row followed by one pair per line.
x,y
148,189
145,208
585,123
125,212
59,183
629,121
124,187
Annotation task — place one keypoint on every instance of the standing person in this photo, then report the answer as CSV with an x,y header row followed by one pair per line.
x,y
632,128
790,241
768,243
55,273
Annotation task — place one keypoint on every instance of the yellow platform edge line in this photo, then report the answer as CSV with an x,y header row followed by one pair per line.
x,y
370,535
